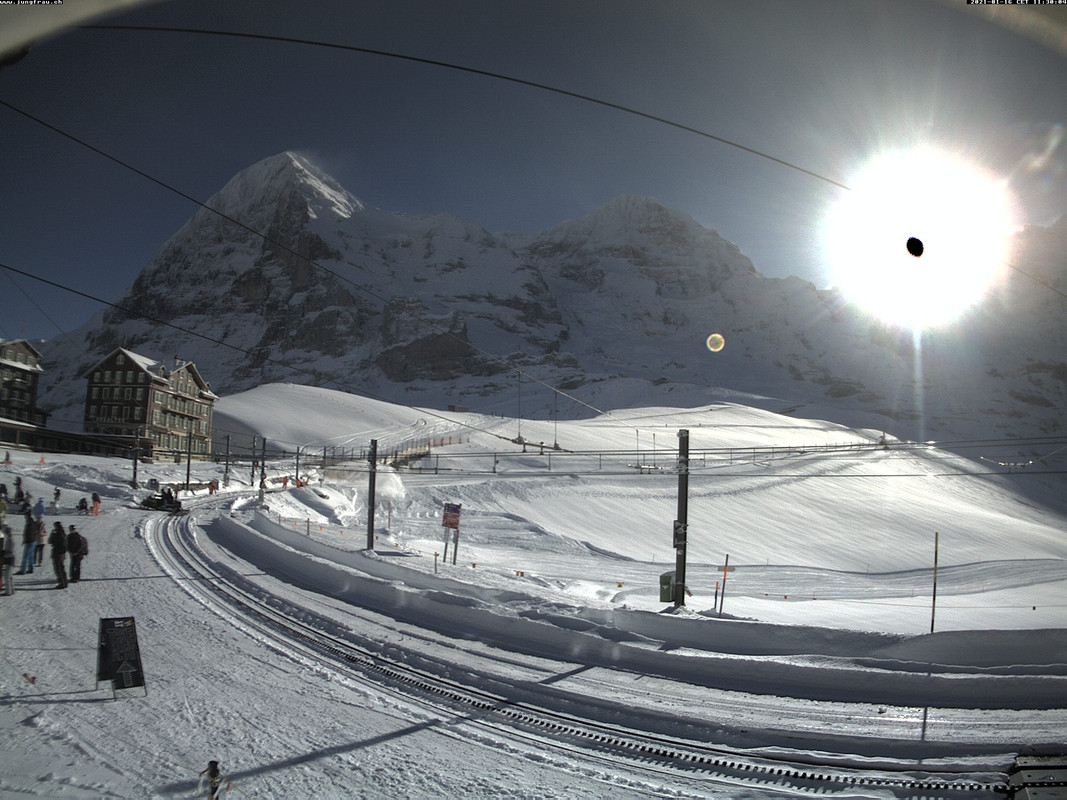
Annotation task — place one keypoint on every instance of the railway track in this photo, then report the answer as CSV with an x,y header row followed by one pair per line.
x,y
173,542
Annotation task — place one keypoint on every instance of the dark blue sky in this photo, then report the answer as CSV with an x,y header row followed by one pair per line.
x,y
820,84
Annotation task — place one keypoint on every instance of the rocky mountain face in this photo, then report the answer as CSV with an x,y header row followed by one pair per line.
x,y
295,280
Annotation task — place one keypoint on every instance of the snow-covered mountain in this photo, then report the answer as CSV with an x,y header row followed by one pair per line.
x,y
296,280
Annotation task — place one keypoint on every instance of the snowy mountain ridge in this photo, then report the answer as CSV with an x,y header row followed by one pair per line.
x,y
315,286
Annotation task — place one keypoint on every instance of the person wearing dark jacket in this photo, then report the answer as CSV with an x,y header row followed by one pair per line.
x,y
7,553
78,548
29,544
58,540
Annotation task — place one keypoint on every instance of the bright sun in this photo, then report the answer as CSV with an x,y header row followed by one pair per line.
x,y
920,237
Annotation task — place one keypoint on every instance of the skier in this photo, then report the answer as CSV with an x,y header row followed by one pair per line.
x,y
214,780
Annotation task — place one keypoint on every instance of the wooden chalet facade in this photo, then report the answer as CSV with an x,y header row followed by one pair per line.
x,y
163,411
20,368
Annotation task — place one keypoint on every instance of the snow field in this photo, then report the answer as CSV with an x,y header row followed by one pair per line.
x,y
555,569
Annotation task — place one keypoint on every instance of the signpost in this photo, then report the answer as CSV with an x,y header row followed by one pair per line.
x,y
451,520
118,657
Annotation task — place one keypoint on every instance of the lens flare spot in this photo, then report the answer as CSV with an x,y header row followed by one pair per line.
x,y
955,219
716,342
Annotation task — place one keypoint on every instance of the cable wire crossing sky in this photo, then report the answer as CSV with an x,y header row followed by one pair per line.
x,y
748,118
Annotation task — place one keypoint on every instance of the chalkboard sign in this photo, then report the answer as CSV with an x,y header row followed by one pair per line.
x,y
119,659
451,516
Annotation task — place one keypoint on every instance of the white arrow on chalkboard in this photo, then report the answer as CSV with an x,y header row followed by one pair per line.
x,y
126,671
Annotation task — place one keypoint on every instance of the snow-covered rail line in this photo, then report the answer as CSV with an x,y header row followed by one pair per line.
x,y
172,543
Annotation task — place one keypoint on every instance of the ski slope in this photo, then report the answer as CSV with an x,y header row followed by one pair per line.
x,y
824,617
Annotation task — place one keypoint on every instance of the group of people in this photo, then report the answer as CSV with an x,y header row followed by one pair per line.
x,y
67,542
35,535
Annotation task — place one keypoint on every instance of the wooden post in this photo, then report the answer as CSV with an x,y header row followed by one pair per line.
x,y
722,597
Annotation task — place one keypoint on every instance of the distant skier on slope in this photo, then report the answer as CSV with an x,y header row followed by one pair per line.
x,y
214,780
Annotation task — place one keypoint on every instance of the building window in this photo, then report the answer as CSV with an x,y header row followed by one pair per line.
x,y
120,359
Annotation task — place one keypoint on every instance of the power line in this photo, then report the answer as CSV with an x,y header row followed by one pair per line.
x,y
33,302
309,373
276,243
428,62
474,71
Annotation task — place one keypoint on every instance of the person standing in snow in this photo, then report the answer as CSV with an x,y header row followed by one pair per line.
x,y
58,540
7,560
55,500
29,545
96,504
42,537
78,547
38,508
3,509
214,780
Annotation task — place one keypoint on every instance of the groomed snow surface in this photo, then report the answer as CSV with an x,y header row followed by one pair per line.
x,y
822,649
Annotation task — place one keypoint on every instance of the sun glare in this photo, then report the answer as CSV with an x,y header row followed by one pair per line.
x,y
920,237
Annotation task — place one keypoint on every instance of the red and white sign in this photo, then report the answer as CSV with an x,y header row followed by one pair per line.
x,y
451,516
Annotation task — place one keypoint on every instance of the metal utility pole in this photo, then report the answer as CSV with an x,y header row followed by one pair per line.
x,y
298,463
263,471
555,419
136,458
226,472
263,464
188,459
933,603
519,416
252,477
681,524
370,492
